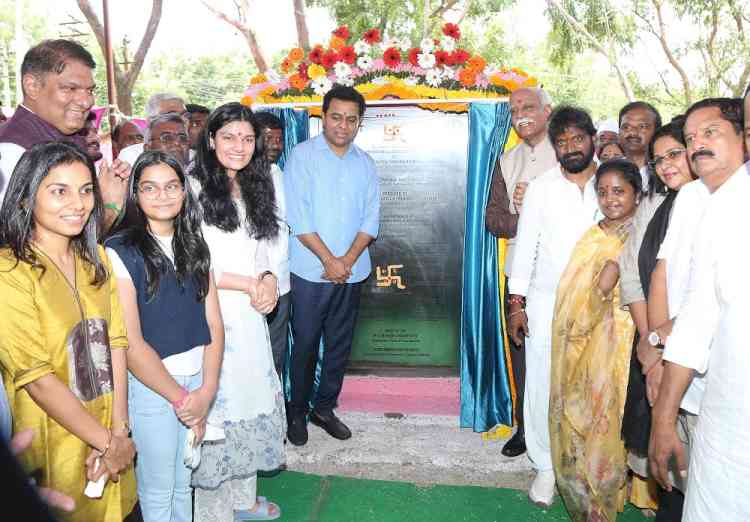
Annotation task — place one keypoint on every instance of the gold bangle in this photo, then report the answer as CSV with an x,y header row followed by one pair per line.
x,y
516,312
102,453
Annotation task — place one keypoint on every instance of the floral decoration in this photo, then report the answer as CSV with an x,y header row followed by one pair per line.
x,y
437,68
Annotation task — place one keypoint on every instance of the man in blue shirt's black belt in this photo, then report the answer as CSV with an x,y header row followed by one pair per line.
x,y
333,205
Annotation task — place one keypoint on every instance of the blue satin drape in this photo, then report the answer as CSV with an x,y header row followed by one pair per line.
x,y
486,398
296,129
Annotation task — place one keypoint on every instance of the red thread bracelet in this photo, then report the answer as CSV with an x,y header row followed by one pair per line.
x,y
179,402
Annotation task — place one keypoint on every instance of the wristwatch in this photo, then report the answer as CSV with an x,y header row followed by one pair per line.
x,y
654,339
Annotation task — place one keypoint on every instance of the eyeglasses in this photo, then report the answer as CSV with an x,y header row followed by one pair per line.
x,y
167,138
671,156
152,190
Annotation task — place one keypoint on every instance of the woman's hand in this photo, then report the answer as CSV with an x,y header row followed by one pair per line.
x,y
648,355
115,460
653,381
608,277
267,294
195,407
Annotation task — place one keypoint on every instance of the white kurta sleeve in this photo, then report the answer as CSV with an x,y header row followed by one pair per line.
x,y
689,344
527,240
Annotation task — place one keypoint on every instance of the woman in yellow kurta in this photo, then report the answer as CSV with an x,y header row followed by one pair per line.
x,y
63,340
591,342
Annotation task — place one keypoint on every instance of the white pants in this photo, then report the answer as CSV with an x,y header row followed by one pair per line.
x,y
539,310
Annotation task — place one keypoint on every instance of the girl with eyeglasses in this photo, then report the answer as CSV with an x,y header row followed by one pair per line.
x,y
670,172
63,344
238,201
175,331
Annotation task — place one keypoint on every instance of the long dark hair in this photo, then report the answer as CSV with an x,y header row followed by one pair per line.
x,y
256,185
191,254
17,211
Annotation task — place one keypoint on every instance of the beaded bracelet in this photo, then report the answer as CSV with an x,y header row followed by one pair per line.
x,y
179,402
522,310
516,299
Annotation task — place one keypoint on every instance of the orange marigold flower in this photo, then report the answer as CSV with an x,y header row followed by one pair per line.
x,y
452,30
258,78
467,77
371,36
296,54
337,43
297,82
246,100
392,57
496,80
477,63
286,65
342,32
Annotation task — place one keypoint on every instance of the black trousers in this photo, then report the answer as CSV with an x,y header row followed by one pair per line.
x,y
518,366
319,309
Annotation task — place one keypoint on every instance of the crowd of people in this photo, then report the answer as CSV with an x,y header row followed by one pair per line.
x,y
148,299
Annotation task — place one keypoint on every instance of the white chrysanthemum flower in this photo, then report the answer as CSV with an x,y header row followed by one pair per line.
x,y
427,45
364,63
448,73
342,70
321,85
448,44
346,81
426,60
433,77
404,45
361,47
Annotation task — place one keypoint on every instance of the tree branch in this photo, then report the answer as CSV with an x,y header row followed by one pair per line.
x,y
221,15
662,36
241,24
300,20
148,38
577,26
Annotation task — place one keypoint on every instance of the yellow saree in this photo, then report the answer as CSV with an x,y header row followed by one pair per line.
x,y
591,342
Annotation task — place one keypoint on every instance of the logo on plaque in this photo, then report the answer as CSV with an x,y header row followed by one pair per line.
x,y
390,276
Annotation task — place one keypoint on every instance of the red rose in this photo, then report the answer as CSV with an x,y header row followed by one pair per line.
x,y
302,70
347,54
413,59
452,30
371,36
342,32
459,56
392,57
442,58
316,55
329,58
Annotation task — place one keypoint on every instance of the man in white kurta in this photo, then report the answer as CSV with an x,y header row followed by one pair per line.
x,y
558,208
711,329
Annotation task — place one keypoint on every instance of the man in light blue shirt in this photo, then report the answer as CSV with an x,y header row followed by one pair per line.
x,y
333,206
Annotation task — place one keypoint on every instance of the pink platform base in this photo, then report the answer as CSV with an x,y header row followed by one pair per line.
x,y
427,396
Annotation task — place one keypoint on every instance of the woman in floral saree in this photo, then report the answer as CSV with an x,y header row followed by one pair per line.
x,y
591,343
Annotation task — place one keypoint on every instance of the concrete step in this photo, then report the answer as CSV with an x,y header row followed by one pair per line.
x,y
419,448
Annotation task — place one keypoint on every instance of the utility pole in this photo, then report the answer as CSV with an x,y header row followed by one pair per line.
x,y
109,59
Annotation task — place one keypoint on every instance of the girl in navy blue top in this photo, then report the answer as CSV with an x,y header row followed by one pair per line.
x,y
175,330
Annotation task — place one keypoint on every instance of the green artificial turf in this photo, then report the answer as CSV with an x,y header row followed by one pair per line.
x,y
312,498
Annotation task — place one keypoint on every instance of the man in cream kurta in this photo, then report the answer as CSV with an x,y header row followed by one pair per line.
x,y
710,329
533,156
558,208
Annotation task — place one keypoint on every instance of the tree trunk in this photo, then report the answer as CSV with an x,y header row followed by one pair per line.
x,y
300,18
124,81
255,50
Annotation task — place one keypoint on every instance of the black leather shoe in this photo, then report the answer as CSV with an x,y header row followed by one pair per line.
x,y
296,431
332,424
515,446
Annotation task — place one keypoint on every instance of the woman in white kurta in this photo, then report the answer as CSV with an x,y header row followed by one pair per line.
x,y
236,193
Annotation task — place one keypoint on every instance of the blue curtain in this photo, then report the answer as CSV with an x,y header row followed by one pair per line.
x,y
296,129
486,398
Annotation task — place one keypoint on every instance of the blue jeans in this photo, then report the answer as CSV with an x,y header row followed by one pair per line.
x,y
164,490
6,421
